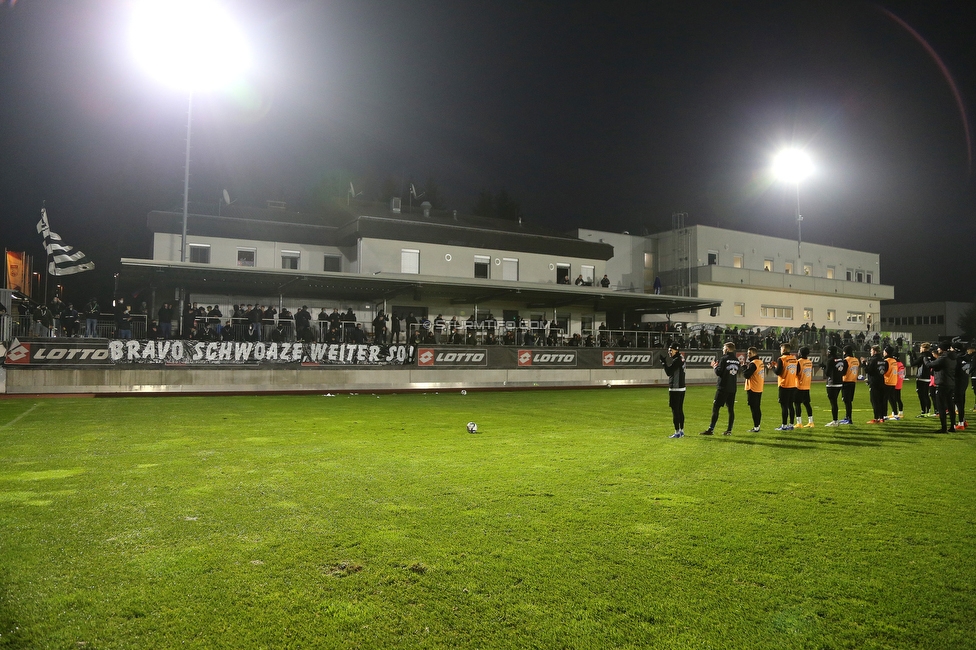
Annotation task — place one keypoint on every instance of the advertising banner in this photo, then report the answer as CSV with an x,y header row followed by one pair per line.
x,y
17,274
92,352
100,352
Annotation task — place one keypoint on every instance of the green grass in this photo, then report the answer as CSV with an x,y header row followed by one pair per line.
x,y
570,521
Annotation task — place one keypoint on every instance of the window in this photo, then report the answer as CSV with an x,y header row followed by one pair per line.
x,y
712,257
788,267
562,274
482,265
911,320
925,320
808,313
510,269
290,259
332,263
855,317
859,276
830,272
767,265
941,320
739,309
588,272
808,269
771,311
409,261
868,278
200,253
850,276
832,315
737,260
246,256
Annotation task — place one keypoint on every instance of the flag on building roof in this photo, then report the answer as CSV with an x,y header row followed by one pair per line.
x,y
64,259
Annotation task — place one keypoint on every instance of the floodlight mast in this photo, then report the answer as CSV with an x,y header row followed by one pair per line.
x,y
792,166
191,44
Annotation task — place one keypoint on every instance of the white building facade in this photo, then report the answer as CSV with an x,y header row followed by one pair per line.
x,y
761,281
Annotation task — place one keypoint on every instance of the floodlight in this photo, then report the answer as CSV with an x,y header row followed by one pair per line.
x,y
792,165
189,44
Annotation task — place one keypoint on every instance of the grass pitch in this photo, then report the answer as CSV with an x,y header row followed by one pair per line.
x,y
570,520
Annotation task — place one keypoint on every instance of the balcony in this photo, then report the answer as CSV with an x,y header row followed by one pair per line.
x,y
732,277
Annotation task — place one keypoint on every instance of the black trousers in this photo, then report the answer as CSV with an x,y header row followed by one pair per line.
x,y
848,396
802,399
891,398
676,400
961,389
945,404
723,398
878,401
924,399
833,392
787,400
754,399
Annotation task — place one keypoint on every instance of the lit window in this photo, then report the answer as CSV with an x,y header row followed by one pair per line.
x,y
290,259
740,309
855,317
587,272
246,256
772,311
808,313
807,269
737,261
409,261
510,269
830,272
788,267
562,274
832,315
767,265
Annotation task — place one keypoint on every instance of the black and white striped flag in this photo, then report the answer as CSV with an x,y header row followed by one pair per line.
x,y
65,260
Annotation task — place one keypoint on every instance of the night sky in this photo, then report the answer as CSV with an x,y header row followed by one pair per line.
x,y
607,115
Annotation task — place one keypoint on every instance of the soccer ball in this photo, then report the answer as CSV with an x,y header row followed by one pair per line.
x,y
464,392
472,427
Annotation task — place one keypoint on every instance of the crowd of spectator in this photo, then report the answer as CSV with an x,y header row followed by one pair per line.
x,y
255,322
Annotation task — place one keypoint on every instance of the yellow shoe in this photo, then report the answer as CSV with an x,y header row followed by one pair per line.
x,y
809,425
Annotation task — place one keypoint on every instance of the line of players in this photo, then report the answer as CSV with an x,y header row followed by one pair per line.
x,y
942,379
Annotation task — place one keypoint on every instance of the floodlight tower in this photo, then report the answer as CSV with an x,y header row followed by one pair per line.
x,y
792,166
191,45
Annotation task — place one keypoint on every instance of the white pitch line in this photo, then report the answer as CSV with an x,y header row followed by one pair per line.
x,y
16,419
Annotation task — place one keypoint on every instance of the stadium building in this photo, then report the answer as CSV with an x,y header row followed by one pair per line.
x,y
366,257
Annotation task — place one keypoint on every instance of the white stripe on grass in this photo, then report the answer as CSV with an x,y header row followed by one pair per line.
x,y
19,417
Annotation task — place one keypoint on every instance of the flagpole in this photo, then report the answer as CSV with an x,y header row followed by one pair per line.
x,y
47,261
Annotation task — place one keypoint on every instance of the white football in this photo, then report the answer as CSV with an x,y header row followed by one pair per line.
x,y
472,427
464,392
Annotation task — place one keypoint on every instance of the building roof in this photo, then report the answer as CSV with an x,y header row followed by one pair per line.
x,y
342,225
140,275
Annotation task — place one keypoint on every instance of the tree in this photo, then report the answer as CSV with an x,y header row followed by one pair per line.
x,y
485,205
967,322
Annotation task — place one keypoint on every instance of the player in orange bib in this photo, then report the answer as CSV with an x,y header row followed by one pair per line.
x,y
754,373
804,377
851,376
785,369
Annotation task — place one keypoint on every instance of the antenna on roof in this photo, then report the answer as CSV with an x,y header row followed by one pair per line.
x,y
352,193
226,201
414,195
